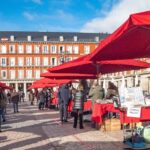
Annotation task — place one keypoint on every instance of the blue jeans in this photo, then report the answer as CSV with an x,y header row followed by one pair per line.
x,y
15,106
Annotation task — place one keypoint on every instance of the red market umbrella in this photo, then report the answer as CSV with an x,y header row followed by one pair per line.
x,y
101,67
130,40
68,76
51,81
4,86
40,85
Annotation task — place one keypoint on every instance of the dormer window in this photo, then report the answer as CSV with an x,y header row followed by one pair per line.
x,y
45,38
12,38
97,39
29,38
75,38
61,38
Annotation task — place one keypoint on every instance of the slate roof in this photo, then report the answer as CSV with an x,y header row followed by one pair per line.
x,y
52,36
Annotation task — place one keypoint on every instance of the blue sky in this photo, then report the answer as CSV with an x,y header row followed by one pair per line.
x,y
62,15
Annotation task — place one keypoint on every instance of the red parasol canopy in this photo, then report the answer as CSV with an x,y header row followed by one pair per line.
x,y
102,67
51,81
68,76
40,85
130,40
4,86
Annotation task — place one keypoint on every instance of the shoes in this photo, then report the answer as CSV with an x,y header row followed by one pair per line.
x,y
74,127
65,120
81,127
4,120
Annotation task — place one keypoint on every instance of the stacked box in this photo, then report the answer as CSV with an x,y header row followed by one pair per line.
x,y
111,125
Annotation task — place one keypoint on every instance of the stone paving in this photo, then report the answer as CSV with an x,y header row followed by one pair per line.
x,y
31,129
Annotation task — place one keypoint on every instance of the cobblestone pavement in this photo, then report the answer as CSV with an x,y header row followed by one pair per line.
x,y
31,129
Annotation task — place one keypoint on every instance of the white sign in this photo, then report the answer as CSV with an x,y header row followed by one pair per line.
x,y
131,96
134,112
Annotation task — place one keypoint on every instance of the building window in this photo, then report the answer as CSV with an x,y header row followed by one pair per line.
x,y
45,61
45,49
61,60
20,74
29,61
37,61
3,49
97,39
53,49
69,50
29,74
37,49
20,49
61,38
37,74
53,61
20,61
12,38
12,74
61,49
29,49
76,49
45,38
4,74
86,49
12,61
29,38
75,38
68,59
12,49
3,61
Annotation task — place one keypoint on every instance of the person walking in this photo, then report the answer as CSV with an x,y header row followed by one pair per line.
x,y
41,97
3,103
15,100
79,99
31,97
64,96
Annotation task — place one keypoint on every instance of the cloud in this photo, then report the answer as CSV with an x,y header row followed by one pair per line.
x,y
37,1
28,16
64,16
116,16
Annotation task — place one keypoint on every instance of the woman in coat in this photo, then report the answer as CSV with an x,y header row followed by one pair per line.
x,y
79,99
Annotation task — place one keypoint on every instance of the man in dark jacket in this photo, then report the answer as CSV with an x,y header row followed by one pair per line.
x,y
64,96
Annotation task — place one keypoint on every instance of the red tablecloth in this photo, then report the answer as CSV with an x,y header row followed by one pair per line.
x,y
100,109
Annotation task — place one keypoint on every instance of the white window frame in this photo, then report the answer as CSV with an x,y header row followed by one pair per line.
x,y
20,49
69,49
20,74
86,49
3,59
2,74
28,61
12,74
53,49
76,49
55,61
29,49
12,61
13,49
45,49
3,49
36,49
45,61
37,61
20,61
28,74
63,49
37,74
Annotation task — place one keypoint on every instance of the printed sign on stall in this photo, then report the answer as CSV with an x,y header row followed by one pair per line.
x,y
134,112
131,97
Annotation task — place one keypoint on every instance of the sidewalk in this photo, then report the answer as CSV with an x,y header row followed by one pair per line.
x,y
32,129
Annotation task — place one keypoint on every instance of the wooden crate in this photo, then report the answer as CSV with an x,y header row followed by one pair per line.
x,y
111,125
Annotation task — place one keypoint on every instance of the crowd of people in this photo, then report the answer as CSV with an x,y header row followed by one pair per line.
x,y
65,94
